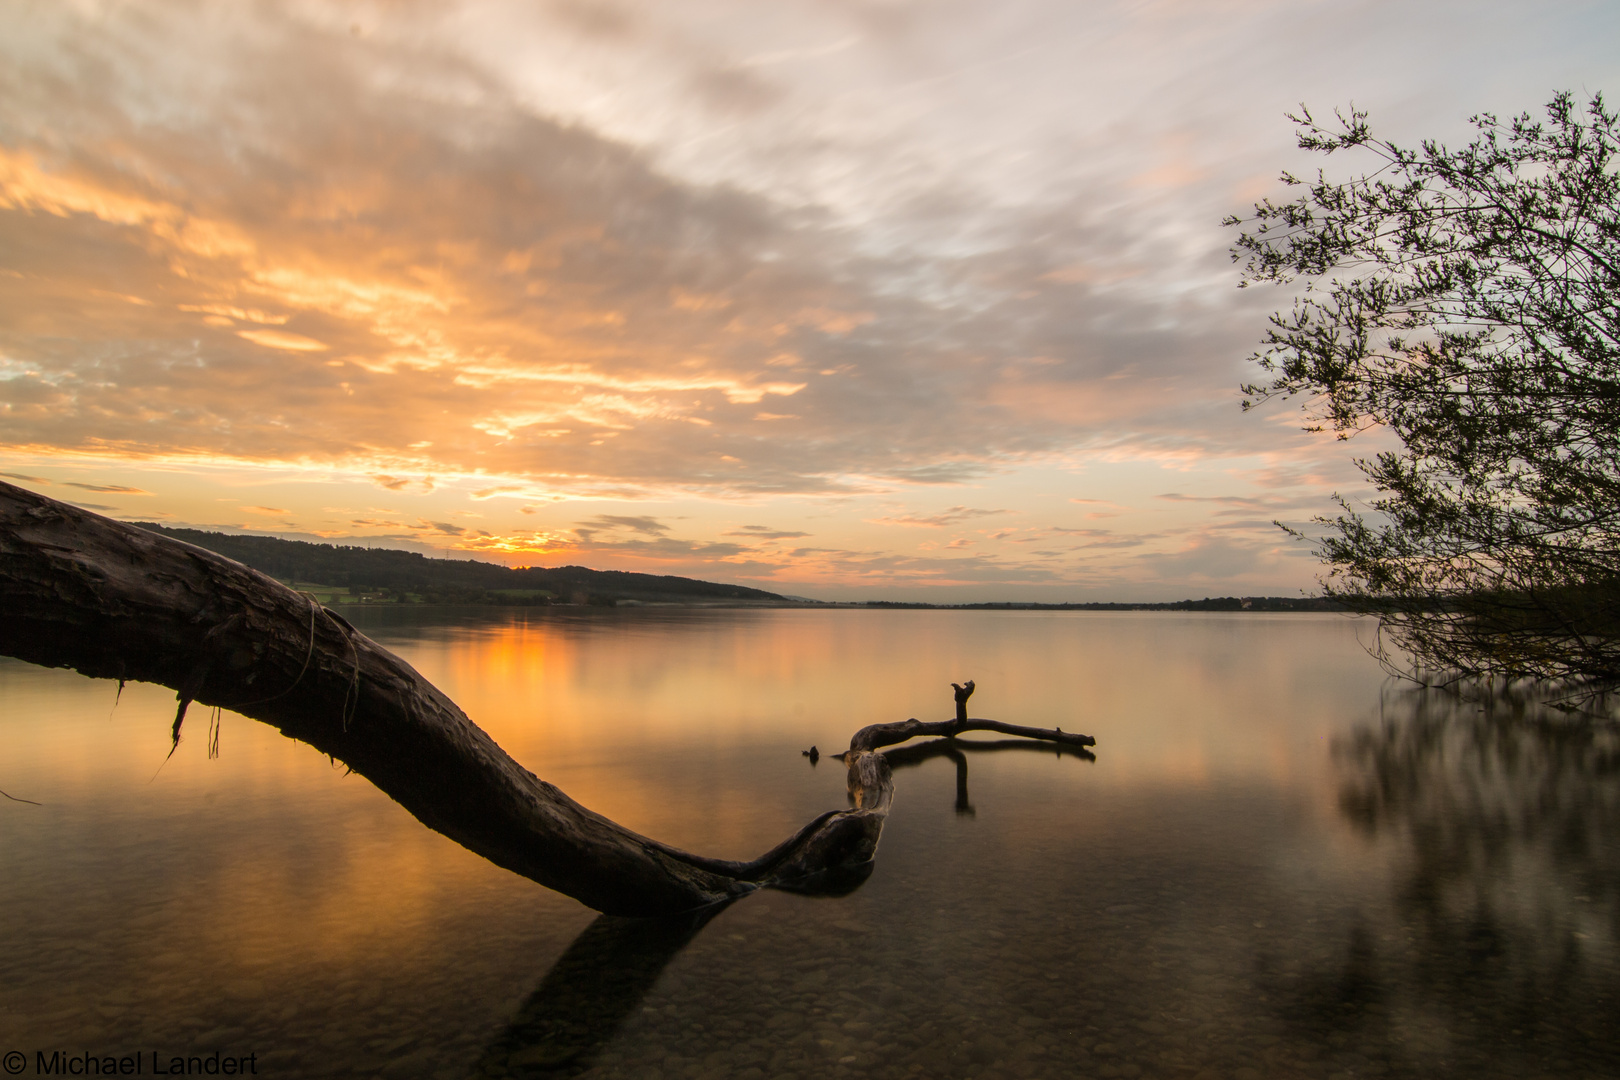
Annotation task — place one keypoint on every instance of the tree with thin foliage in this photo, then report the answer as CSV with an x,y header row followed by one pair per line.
x,y
1467,302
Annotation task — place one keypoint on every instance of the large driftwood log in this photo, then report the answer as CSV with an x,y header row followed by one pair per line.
x,y
112,601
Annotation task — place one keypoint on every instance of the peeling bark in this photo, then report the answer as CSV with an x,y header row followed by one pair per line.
x,y
81,591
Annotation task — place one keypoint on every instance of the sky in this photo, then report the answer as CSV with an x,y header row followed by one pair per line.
x,y
844,299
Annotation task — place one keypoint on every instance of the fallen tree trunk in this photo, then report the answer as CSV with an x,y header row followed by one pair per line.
x,y
112,601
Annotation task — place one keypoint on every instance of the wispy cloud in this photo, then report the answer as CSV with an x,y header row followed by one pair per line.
x,y
1249,504
649,526
107,489
403,483
765,532
954,515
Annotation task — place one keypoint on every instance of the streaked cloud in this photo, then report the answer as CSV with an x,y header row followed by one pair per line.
x,y
634,279
954,515
277,339
648,526
765,532
106,489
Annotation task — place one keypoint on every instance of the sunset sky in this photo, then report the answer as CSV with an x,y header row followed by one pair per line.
x,y
889,299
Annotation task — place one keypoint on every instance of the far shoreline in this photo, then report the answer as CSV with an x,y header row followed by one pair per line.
x,y
1224,604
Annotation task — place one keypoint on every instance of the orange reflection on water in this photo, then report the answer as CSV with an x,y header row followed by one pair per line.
x,y
283,876
1201,864
653,717
687,725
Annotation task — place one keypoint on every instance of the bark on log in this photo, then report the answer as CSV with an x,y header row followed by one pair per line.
x,y
113,601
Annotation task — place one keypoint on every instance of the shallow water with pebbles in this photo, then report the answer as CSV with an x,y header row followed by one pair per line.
x,y
1275,867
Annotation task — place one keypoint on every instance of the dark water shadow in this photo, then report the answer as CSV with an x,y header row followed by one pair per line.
x,y
1502,817
588,994
601,980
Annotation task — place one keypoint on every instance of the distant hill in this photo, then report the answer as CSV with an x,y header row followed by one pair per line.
x,y
386,575
338,573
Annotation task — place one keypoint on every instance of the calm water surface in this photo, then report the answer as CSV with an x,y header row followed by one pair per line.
x,y
1278,865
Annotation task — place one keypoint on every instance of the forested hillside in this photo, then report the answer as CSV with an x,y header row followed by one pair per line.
x,y
383,574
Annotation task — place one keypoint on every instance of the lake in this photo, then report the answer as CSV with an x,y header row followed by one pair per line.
x,y
1279,864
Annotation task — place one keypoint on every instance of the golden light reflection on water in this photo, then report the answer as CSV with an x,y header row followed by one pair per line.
x,y
682,725
686,725
159,896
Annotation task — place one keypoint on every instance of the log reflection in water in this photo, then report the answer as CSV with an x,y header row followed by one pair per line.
x,y
1505,821
954,750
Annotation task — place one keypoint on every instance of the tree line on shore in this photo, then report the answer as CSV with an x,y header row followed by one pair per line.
x,y
388,574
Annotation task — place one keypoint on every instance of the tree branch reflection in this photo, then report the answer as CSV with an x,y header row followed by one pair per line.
x,y
1504,819
1499,801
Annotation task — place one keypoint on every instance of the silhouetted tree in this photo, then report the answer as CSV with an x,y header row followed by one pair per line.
x,y
1465,301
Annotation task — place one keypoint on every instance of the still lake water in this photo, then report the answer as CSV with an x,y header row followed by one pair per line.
x,y
1278,865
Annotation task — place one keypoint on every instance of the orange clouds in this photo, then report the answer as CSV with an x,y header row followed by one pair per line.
x,y
278,339
423,345
28,188
448,263
328,262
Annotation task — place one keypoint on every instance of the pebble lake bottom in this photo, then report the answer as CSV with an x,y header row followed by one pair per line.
x,y
1278,865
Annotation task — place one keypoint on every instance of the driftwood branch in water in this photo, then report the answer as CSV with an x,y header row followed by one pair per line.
x,y
112,601
601,980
